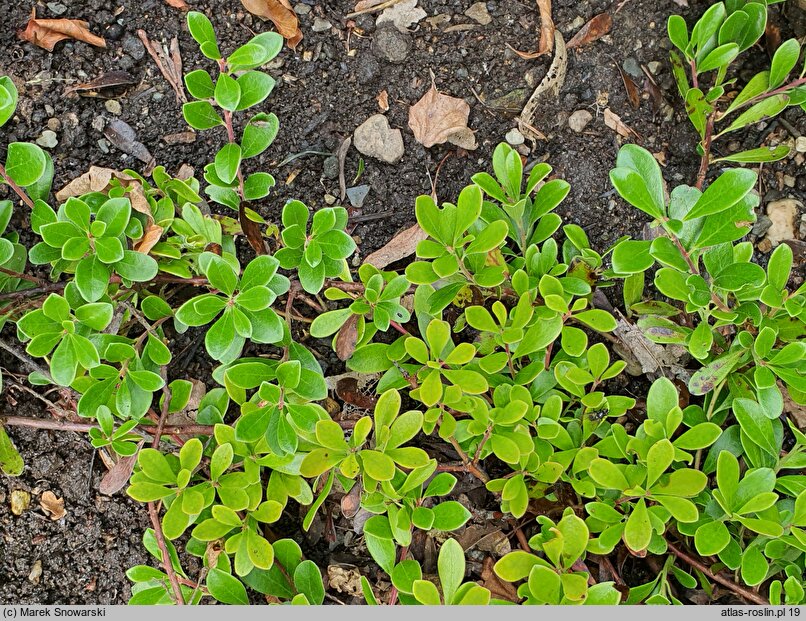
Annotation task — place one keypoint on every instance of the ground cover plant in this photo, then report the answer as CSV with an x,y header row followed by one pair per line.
x,y
491,341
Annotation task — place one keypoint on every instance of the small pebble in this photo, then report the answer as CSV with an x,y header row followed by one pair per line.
x,y
514,137
782,213
330,199
800,144
579,120
103,145
789,181
54,124
632,67
112,106
20,501
301,9
114,32
321,25
357,195
331,167
47,139
654,67
57,8
479,13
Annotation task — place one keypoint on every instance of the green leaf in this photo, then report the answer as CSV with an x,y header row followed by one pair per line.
x,y
248,56
449,516
257,186
659,458
757,156
227,92
631,256
426,593
255,87
227,162
25,163
308,581
638,529
377,465
136,266
516,565
638,180
608,475
201,115
258,134
783,61
766,108
8,99
226,588
92,278
727,190
451,568
11,463
711,538
200,84
597,319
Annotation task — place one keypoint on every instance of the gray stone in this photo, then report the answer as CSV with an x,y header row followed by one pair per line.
x,y
654,67
579,120
374,138
761,226
800,144
478,12
390,44
514,137
301,9
321,25
357,195
47,139
133,47
57,8
632,68
782,213
331,167
367,69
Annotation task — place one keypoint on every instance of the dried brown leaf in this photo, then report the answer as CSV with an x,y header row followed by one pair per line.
x,y
614,122
399,247
46,33
596,28
104,82
251,230
347,337
96,179
52,506
281,14
178,4
632,90
497,587
149,240
546,44
364,5
383,100
117,477
438,118
351,501
347,390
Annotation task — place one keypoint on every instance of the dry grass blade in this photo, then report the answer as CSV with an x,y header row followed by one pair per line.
x,y
46,33
596,28
550,85
280,14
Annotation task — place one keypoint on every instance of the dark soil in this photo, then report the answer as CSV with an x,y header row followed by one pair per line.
x,y
323,93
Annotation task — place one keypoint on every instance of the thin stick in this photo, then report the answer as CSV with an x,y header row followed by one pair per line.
x,y
58,425
726,582
20,355
166,558
17,189
13,274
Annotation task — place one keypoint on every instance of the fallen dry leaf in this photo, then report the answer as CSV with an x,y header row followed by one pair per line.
x,y
546,44
178,4
52,506
251,230
399,247
344,580
348,390
111,80
121,136
596,28
497,587
383,100
46,33
351,502
149,239
347,337
438,118
364,5
119,474
281,14
96,179
549,86
614,122
632,90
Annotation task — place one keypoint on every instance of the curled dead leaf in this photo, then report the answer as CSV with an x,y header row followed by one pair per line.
x,y
439,118
150,238
347,338
251,230
347,390
614,122
596,28
399,247
52,506
546,44
281,14
46,33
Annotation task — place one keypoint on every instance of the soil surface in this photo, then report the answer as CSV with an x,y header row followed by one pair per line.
x,y
326,88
